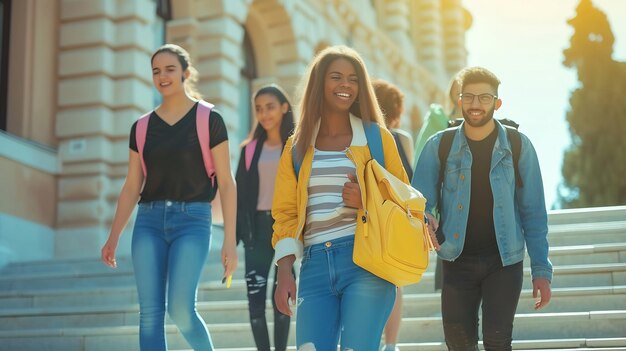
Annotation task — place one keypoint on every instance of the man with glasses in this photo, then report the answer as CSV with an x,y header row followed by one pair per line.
x,y
486,220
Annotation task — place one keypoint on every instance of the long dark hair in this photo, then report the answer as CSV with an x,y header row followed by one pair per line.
x,y
287,124
311,104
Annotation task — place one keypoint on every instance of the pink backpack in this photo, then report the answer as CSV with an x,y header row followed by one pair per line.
x,y
202,126
203,112
249,153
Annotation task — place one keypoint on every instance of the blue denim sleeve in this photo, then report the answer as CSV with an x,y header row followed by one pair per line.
x,y
532,210
426,172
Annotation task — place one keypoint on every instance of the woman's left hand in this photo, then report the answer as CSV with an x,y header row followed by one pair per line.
x,y
229,258
352,193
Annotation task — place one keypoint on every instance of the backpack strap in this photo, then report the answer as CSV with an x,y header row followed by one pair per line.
x,y
203,112
140,137
296,162
516,149
249,153
403,157
374,142
444,150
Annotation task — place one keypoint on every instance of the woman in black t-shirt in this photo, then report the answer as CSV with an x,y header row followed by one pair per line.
x,y
172,231
255,178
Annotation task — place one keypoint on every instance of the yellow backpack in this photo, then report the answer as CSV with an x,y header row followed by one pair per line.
x,y
394,243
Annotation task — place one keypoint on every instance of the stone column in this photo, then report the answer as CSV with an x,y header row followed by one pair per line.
x,y
395,21
454,52
104,85
213,35
427,35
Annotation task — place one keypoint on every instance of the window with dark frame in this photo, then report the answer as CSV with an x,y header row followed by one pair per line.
x,y
248,75
163,15
5,16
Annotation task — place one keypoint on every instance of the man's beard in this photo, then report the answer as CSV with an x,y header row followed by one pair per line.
x,y
486,118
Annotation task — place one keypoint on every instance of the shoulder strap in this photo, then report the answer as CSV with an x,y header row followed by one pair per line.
x,y
444,150
249,153
516,148
296,162
374,142
403,157
140,136
203,112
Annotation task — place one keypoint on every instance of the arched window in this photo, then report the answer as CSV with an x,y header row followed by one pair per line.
x,y
248,75
5,16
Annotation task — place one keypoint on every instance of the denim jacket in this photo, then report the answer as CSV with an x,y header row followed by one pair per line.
x,y
519,213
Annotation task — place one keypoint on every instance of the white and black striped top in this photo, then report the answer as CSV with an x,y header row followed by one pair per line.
x,y
327,217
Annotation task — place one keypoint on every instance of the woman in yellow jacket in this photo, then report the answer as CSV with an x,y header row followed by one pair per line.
x,y
318,211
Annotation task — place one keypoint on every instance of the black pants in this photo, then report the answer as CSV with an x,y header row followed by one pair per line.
x,y
259,256
467,282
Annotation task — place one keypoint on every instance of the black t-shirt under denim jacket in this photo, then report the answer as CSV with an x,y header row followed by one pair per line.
x,y
481,233
248,193
174,159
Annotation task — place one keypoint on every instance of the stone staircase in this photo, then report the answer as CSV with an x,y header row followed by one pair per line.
x,y
84,306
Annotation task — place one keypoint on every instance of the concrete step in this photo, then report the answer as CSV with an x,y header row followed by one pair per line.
x,y
614,252
586,215
415,305
120,290
597,344
66,273
594,226
586,254
587,233
121,276
595,324
107,295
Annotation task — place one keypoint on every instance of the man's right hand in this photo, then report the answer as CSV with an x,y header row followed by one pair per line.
x,y
286,287
433,225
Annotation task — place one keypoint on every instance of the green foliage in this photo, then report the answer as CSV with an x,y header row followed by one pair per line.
x,y
594,166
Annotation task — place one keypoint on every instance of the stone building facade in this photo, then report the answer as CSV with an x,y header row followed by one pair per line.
x,y
75,74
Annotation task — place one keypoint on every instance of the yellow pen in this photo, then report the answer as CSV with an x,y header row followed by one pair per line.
x,y
228,280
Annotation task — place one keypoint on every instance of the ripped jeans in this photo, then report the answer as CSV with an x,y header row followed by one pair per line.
x,y
259,255
338,298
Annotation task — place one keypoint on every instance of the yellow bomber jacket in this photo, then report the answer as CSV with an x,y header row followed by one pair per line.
x,y
291,194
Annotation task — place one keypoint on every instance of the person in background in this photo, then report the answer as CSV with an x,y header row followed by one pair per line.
x,y
438,117
255,177
437,120
316,208
487,219
172,232
391,101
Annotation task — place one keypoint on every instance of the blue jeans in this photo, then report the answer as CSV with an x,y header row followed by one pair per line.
x,y
336,297
169,248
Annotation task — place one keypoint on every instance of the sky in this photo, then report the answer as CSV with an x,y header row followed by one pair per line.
x,y
522,42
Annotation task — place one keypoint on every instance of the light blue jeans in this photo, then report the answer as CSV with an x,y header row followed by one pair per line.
x,y
169,248
337,297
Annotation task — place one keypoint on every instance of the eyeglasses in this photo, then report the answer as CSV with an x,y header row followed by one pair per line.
x,y
485,99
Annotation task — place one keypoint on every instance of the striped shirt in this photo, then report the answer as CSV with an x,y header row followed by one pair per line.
x,y
327,217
